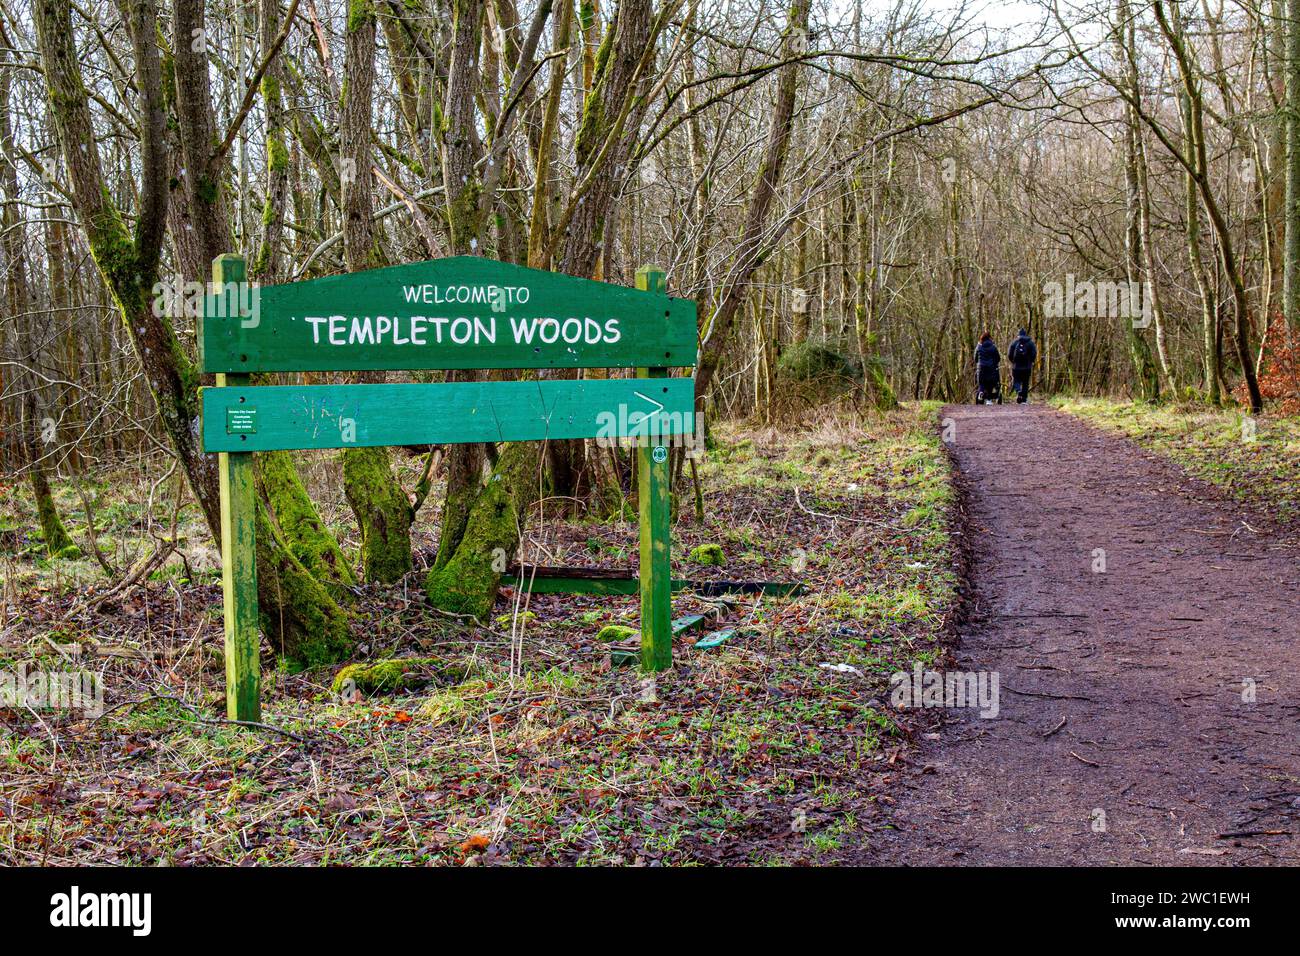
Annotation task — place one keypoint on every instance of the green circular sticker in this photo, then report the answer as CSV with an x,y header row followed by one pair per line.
x,y
660,453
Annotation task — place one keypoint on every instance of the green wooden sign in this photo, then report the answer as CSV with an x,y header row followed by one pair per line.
x,y
459,313
446,314
273,417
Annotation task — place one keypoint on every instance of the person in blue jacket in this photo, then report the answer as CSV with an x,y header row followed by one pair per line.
x,y
1022,355
988,376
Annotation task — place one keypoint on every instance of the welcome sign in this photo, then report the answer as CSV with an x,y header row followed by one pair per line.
x,y
445,314
459,313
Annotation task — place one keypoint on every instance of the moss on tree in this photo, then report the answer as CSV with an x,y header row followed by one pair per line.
x,y
58,543
467,582
309,628
383,513
300,526
359,13
463,468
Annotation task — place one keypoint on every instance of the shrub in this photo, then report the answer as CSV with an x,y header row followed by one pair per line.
x,y
1279,378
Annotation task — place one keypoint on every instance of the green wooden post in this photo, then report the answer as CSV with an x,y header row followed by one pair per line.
x,y
653,486
238,544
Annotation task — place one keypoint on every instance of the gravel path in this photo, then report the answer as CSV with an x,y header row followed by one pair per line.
x,y
1126,730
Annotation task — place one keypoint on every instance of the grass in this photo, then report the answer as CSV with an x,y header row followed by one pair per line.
x,y
1254,460
543,753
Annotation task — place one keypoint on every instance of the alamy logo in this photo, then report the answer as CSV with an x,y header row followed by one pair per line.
x,y
636,427
52,690
174,298
922,688
1101,299
75,909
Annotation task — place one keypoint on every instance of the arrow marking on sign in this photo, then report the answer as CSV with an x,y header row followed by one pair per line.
x,y
658,405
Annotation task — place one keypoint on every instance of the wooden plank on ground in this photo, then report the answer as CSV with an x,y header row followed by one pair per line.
x,y
573,580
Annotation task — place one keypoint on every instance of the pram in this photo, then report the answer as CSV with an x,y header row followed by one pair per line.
x,y
988,389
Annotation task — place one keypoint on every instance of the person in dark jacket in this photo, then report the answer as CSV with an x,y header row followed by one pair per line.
x,y
988,363
1022,354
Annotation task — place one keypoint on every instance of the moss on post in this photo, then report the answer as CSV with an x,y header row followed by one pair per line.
x,y
383,513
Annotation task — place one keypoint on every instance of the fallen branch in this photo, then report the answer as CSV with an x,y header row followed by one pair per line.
x,y
220,721
1026,693
142,569
830,517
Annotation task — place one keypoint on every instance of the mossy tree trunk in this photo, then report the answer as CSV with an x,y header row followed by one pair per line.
x,y
468,570
464,480
281,490
300,615
299,524
58,543
472,169
382,510
128,260
18,300
303,622
614,73
462,189
467,582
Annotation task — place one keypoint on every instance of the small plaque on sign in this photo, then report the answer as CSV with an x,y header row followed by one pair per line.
x,y
660,454
241,421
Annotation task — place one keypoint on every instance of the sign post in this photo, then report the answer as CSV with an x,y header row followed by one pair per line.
x,y
238,538
654,486
460,313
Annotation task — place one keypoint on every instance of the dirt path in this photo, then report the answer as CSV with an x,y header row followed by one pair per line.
x,y
1144,663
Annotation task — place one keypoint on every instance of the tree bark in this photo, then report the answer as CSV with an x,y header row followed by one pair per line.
x,y
128,261
381,507
462,185
18,300
297,610
1200,174
466,576
1139,350
1291,209
749,254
